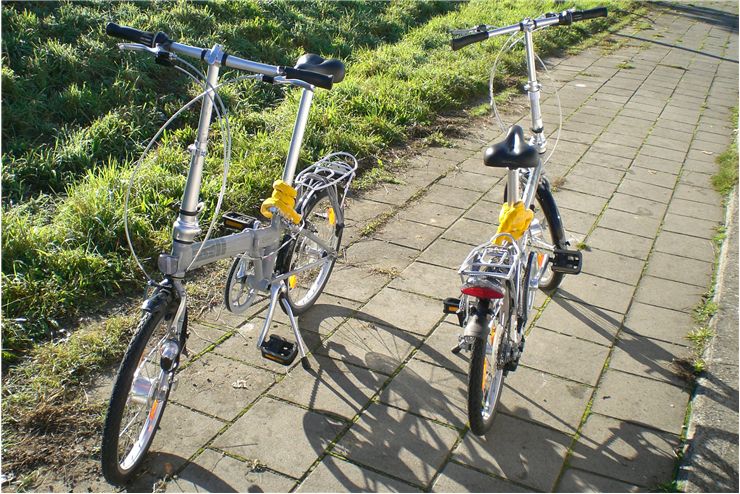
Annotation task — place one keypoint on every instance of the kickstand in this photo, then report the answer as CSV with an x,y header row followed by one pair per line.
x,y
297,333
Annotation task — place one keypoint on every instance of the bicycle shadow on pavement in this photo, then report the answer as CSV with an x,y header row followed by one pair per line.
x,y
368,353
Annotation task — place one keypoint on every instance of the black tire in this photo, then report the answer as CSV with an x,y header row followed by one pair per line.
x,y
551,222
289,255
151,325
546,211
481,422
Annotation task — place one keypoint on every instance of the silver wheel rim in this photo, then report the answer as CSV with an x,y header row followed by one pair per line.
x,y
305,286
144,404
494,373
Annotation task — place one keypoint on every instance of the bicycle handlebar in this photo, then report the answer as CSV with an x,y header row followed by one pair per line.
x,y
564,18
152,40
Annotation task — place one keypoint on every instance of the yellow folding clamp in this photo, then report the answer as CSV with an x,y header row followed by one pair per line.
x,y
513,220
283,198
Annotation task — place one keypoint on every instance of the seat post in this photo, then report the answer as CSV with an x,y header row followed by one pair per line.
x,y
512,186
297,140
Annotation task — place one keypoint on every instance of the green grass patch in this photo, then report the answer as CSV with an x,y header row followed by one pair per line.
x,y
727,176
65,253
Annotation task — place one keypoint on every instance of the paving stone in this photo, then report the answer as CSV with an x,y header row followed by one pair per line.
x,y
574,480
696,179
426,279
613,176
324,317
354,283
658,323
600,292
544,399
697,210
408,233
645,190
436,349
432,214
614,150
359,210
653,177
658,163
430,391
649,358
458,478
623,221
471,181
596,157
576,221
379,255
630,453
330,386
335,475
668,294
453,155
695,227
470,232
221,318
641,401
407,311
215,472
518,450
579,201
451,196
208,386
445,253
201,336
181,434
612,266
553,352
594,186
684,270
486,211
370,345
698,194
620,243
637,205
398,443
582,321
310,434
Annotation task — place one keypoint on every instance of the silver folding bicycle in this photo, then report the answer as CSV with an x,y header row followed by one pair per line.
x,y
288,259
529,250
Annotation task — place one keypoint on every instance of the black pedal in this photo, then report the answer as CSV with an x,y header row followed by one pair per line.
x,y
279,350
567,261
452,306
238,221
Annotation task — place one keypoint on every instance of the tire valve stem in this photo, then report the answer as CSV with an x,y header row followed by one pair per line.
x,y
168,355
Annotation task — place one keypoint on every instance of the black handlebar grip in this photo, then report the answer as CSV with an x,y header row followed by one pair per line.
x,y
131,34
582,15
458,43
313,78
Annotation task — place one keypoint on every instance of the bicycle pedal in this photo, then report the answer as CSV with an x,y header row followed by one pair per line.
x,y
567,261
279,350
238,221
451,305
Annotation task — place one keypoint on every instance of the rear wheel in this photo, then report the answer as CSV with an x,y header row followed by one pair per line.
x,y
486,376
320,216
139,395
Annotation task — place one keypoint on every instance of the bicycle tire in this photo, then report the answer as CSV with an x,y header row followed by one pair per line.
x,y
288,255
549,208
480,421
119,471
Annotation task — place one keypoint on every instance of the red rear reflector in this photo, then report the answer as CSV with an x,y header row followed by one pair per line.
x,y
481,292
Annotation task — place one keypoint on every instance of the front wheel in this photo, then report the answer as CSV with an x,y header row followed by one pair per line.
x,y
140,394
486,375
304,287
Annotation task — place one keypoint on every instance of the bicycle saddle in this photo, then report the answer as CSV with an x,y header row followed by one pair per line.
x,y
513,152
316,63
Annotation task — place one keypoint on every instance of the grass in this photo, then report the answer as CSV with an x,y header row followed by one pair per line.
x,y
727,176
65,253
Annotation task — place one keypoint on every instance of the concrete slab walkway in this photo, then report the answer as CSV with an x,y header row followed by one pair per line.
x,y
598,403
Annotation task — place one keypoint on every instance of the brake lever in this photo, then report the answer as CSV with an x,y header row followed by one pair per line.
x,y
159,54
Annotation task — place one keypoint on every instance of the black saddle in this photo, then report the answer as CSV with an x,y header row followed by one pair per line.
x,y
513,152
316,63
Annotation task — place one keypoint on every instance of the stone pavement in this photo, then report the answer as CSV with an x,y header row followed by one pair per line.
x,y
598,402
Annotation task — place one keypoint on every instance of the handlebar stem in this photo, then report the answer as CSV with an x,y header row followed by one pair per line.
x,y
533,89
